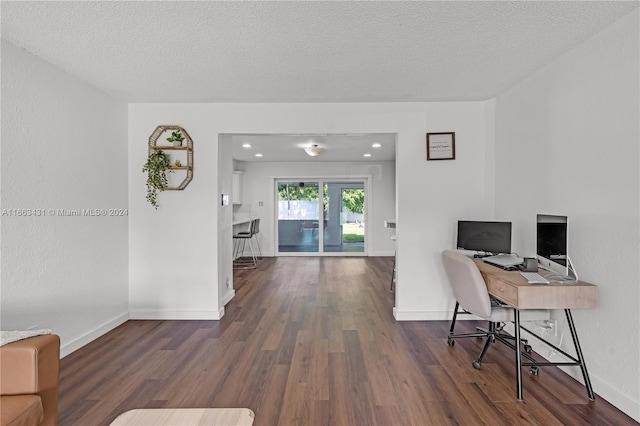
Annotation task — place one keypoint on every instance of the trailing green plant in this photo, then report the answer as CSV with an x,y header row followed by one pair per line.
x,y
176,136
157,164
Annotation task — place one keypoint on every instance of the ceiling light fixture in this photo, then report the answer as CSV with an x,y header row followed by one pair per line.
x,y
314,150
367,155
258,155
376,145
246,145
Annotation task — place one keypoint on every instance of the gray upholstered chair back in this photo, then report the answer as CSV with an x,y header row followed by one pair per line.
x,y
467,283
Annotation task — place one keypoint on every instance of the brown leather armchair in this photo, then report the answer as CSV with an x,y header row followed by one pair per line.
x,y
29,378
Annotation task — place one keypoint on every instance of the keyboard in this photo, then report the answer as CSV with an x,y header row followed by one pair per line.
x,y
534,278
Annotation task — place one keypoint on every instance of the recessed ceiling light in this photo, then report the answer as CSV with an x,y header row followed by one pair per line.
x,y
246,145
367,155
376,145
258,155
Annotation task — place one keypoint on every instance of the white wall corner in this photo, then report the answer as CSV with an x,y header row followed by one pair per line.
x,y
226,299
92,335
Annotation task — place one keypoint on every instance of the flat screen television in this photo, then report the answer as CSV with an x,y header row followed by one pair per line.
x,y
487,237
551,243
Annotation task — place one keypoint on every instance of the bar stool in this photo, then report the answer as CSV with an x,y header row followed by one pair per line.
x,y
393,273
391,226
239,243
256,230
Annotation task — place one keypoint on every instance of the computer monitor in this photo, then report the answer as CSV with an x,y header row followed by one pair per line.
x,y
551,243
487,237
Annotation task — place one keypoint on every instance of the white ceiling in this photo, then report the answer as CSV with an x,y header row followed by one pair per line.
x,y
307,51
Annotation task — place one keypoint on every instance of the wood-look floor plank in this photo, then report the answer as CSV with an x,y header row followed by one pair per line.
x,y
275,331
340,391
377,375
269,402
312,341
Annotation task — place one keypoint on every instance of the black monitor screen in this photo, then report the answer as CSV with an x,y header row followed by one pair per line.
x,y
490,237
552,238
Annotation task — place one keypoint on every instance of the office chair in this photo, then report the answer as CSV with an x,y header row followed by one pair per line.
x,y
471,295
239,241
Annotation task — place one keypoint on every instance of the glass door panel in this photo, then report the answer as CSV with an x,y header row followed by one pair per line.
x,y
299,229
344,217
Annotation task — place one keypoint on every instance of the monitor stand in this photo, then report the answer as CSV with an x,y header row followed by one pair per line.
x,y
571,277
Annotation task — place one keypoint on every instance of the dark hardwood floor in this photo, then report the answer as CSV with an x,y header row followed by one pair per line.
x,y
312,341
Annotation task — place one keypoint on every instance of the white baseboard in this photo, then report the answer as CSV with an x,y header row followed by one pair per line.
x,y
382,254
90,336
75,344
176,315
603,389
622,402
420,315
431,316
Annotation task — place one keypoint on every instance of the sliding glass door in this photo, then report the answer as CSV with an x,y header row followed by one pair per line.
x,y
323,216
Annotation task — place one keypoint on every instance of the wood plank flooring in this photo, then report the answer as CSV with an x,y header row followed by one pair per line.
x,y
312,341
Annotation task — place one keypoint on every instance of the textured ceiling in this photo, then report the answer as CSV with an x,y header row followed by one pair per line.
x,y
203,51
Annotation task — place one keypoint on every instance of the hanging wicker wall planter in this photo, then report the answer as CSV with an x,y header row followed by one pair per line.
x,y
178,144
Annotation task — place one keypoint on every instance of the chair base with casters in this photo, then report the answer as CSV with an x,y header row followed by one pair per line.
x,y
494,332
472,297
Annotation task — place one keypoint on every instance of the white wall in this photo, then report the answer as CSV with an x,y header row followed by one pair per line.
x,y
173,260
64,146
225,215
432,197
567,143
258,186
183,282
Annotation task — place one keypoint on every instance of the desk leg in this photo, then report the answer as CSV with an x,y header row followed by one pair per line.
x,y
576,343
516,315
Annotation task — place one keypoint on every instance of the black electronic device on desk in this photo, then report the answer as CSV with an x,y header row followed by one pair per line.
x,y
491,239
529,264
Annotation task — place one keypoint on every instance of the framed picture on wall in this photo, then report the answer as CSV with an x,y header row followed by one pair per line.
x,y
441,146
